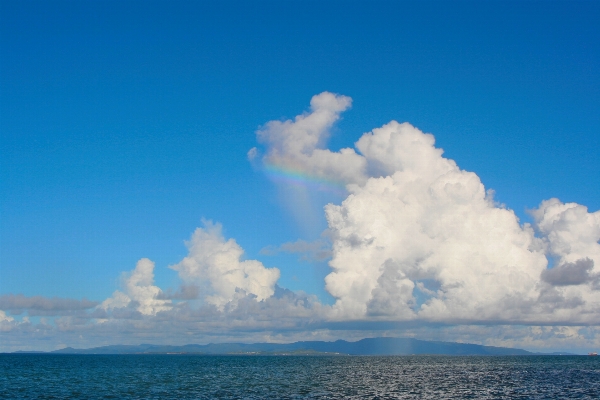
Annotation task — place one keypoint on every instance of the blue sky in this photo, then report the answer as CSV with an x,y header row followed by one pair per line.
x,y
124,124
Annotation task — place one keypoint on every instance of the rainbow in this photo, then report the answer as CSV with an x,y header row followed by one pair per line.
x,y
299,178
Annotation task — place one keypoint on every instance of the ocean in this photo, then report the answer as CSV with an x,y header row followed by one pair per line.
x,y
47,376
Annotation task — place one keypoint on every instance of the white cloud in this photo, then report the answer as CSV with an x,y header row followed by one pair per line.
x,y
402,147
118,300
215,265
427,221
419,238
8,323
139,292
572,233
298,145
5,318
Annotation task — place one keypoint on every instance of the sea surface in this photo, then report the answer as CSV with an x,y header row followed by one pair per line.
x,y
45,376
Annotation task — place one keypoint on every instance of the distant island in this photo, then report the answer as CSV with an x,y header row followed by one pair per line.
x,y
364,347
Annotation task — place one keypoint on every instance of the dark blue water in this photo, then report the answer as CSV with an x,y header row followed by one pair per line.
x,y
296,377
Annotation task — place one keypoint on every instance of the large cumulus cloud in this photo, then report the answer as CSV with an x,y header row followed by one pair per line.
x,y
427,223
419,238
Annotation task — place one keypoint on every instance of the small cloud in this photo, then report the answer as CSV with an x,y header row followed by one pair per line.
x,y
139,292
252,154
5,318
298,145
215,264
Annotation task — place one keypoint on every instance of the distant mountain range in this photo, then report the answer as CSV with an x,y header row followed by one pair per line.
x,y
371,346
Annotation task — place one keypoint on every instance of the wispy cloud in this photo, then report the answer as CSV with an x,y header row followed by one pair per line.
x,y
39,305
317,250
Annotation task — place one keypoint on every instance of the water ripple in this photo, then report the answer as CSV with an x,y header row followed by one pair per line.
x,y
297,377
